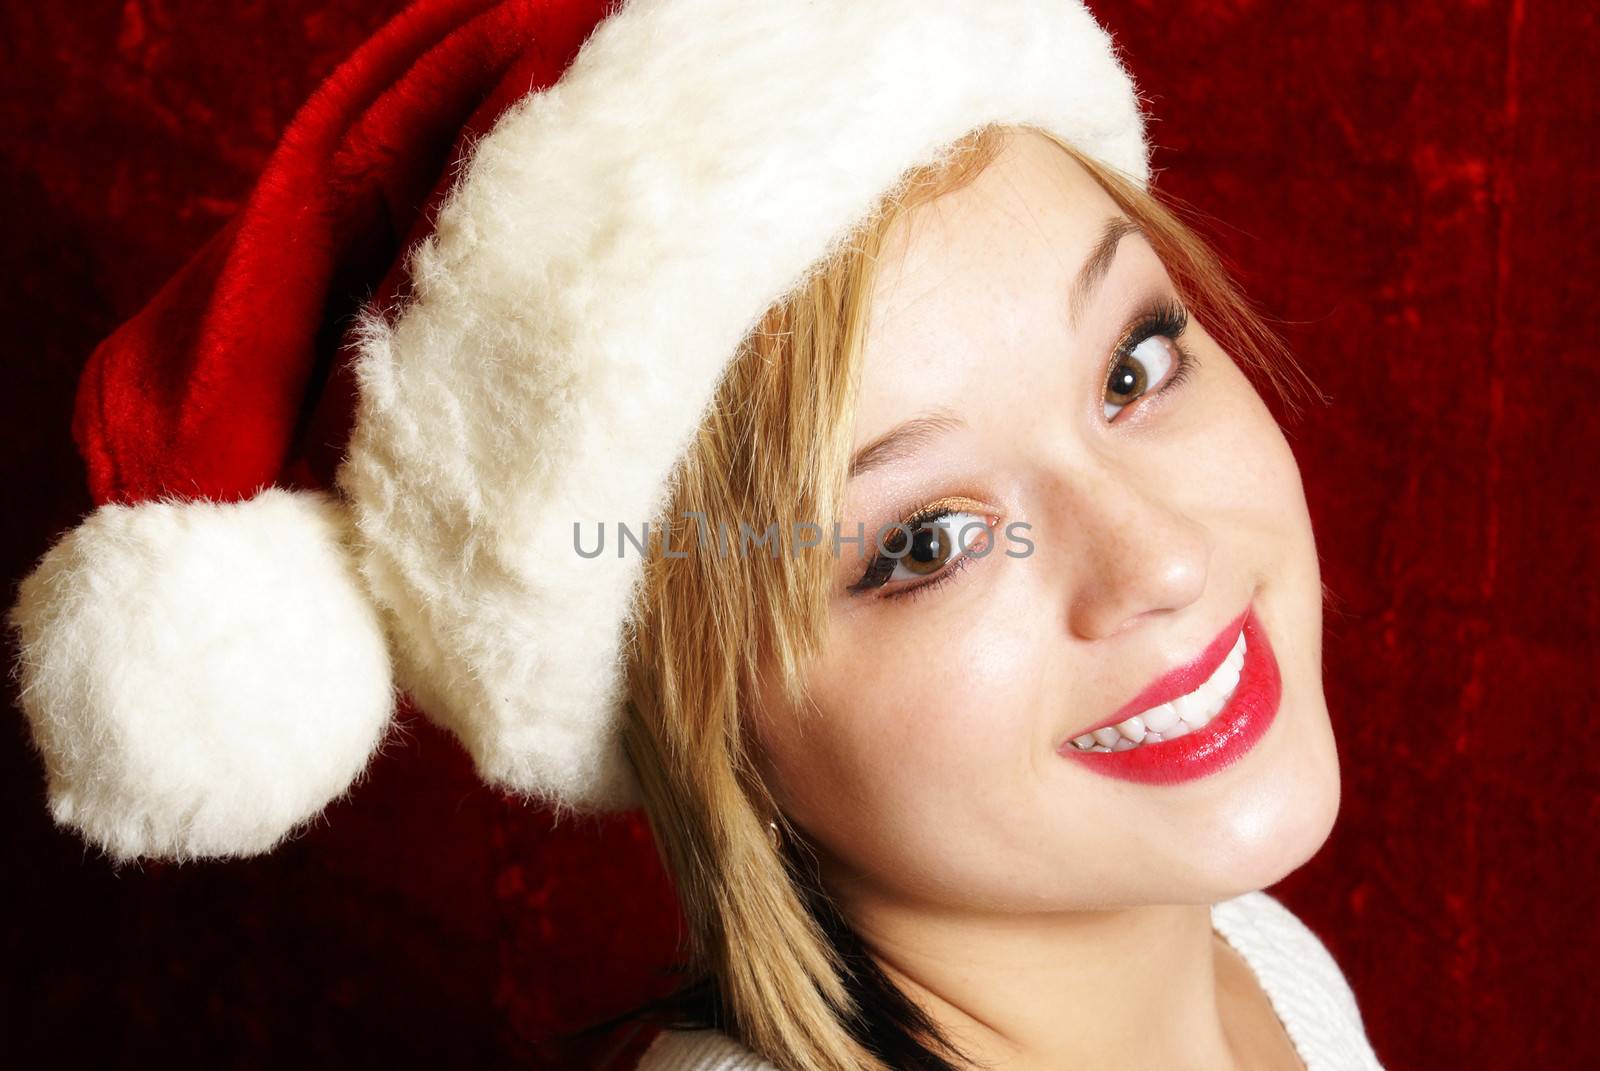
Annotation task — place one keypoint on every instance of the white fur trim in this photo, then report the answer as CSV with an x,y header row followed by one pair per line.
x,y
201,677
609,244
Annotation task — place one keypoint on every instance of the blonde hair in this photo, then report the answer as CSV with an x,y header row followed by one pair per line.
x,y
705,626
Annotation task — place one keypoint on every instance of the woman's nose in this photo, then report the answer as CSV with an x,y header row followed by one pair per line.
x,y
1134,552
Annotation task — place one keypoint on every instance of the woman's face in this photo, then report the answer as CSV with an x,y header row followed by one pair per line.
x,y
1165,517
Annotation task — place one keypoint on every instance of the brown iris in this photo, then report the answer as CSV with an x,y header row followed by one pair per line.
x,y
933,544
931,547
1128,380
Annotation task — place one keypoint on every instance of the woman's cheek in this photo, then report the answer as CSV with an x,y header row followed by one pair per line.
x,y
906,740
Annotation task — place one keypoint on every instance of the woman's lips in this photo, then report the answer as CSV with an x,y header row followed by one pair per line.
x,y
1231,692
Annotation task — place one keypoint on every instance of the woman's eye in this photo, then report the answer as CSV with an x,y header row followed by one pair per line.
x,y
932,545
1143,368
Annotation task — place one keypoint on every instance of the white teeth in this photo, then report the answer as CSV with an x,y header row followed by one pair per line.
x,y
1195,708
1133,729
1159,719
1226,679
1168,721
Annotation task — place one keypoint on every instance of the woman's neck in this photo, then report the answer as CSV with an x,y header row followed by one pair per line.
x,y
1132,987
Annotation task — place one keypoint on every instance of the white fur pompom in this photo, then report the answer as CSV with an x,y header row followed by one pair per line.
x,y
201,677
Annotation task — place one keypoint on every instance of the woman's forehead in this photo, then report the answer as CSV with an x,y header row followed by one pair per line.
x,y
1030,179
982,271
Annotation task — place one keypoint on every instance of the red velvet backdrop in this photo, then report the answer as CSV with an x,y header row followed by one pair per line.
x,y
1411,186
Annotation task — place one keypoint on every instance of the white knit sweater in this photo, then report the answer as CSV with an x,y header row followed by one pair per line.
x,y
1305,985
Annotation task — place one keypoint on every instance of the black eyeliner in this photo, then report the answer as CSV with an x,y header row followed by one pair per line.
x,y
882,566
1165,316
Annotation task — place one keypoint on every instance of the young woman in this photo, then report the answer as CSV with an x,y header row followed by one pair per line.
x,y
969,676
1024,790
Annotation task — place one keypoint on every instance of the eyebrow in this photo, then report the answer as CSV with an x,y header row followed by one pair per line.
x,y
903,439
1098,264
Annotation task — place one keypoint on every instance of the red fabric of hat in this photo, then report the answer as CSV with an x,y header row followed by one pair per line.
x,y
222,383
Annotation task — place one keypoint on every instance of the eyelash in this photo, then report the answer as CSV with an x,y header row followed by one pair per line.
x,y
944,577
882,567
1166,316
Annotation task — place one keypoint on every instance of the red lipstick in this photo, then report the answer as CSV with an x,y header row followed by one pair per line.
x,y
1223,740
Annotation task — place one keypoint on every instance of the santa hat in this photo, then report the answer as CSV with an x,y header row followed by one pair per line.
x,y
483,290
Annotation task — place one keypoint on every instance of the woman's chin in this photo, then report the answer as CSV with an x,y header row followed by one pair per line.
x,y
1262,833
